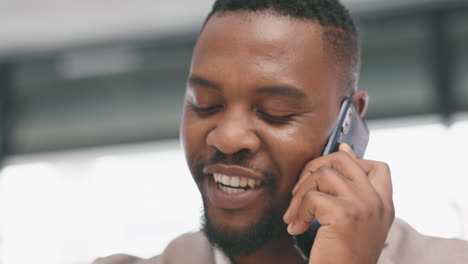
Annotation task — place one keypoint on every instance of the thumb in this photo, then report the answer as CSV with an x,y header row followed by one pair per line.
x,y
346,148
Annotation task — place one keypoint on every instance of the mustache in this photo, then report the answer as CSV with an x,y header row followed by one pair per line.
x,y
240,158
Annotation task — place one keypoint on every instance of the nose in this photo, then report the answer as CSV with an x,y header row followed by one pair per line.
x,y
234,133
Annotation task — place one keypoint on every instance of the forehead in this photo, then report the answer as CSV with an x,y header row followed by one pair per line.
x,y
260,47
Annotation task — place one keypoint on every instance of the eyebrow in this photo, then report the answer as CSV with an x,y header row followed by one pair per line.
x,y
199,81
284,90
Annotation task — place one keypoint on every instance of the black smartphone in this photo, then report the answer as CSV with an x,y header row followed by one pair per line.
x,y
349,128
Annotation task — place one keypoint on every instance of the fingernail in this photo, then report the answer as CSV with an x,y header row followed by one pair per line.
x,y
290,227
345,146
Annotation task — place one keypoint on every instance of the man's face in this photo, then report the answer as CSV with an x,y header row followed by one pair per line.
x,y
261,101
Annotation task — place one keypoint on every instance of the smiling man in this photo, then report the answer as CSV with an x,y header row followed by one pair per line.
x,y
266,84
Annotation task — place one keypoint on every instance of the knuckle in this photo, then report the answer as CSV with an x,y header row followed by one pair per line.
x,y
390,209
315,163
389,216
392,213
310,196
342,155
324,170
351,212
323,175
381,210
319,174
383,167
378,212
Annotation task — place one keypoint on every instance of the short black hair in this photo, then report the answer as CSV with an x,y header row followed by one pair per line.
x,y
339,32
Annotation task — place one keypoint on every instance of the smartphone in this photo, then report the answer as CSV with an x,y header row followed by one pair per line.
x,y
349,128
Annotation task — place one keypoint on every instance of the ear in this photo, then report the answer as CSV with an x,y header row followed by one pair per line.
x,y
361,100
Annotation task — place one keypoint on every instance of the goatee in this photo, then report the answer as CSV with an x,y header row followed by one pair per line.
x,y
244,243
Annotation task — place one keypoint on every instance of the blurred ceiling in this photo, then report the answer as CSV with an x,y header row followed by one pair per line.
x,y
29,25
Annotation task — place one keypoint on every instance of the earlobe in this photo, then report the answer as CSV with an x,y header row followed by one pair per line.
x,y
361,100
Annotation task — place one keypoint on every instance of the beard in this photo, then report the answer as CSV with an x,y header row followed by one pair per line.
x,y
243,243
268,227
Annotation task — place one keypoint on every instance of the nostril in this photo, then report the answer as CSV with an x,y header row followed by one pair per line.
x,y
232,137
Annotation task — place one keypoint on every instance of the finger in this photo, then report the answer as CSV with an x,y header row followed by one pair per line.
x,y
341,161
346,148
306,173
380,178
326,180
314,205
291,213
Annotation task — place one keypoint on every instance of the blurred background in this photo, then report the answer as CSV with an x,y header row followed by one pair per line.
x,y
90,103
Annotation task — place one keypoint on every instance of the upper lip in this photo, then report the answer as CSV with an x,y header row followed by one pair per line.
x,y
233,170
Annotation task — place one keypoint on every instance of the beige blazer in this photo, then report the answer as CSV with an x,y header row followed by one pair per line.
x,y
403,246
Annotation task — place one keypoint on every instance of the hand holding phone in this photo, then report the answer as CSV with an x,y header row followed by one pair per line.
x,y
351,129
344,193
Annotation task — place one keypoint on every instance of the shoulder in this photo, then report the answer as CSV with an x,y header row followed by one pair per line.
x,y
405,245
188,248
117,259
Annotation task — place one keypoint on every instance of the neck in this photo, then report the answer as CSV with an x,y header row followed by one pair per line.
x,y
275,252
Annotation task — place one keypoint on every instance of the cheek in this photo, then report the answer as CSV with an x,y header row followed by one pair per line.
x,y
291,149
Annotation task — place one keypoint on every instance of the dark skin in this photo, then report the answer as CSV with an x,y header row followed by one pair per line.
x,y
262,84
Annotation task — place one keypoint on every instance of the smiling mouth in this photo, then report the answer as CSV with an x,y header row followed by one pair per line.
x,y
235,184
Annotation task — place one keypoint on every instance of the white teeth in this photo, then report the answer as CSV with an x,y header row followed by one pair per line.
x,y
231,190
226,180
243,182
251,183
235,181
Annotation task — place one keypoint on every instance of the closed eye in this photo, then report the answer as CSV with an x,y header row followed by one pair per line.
x,y
206,110
275,118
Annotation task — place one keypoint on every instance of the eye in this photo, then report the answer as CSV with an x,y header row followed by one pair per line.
x,y
206,110
276,119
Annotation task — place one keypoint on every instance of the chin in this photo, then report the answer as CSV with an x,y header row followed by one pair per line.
x,y
230,220
241,234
